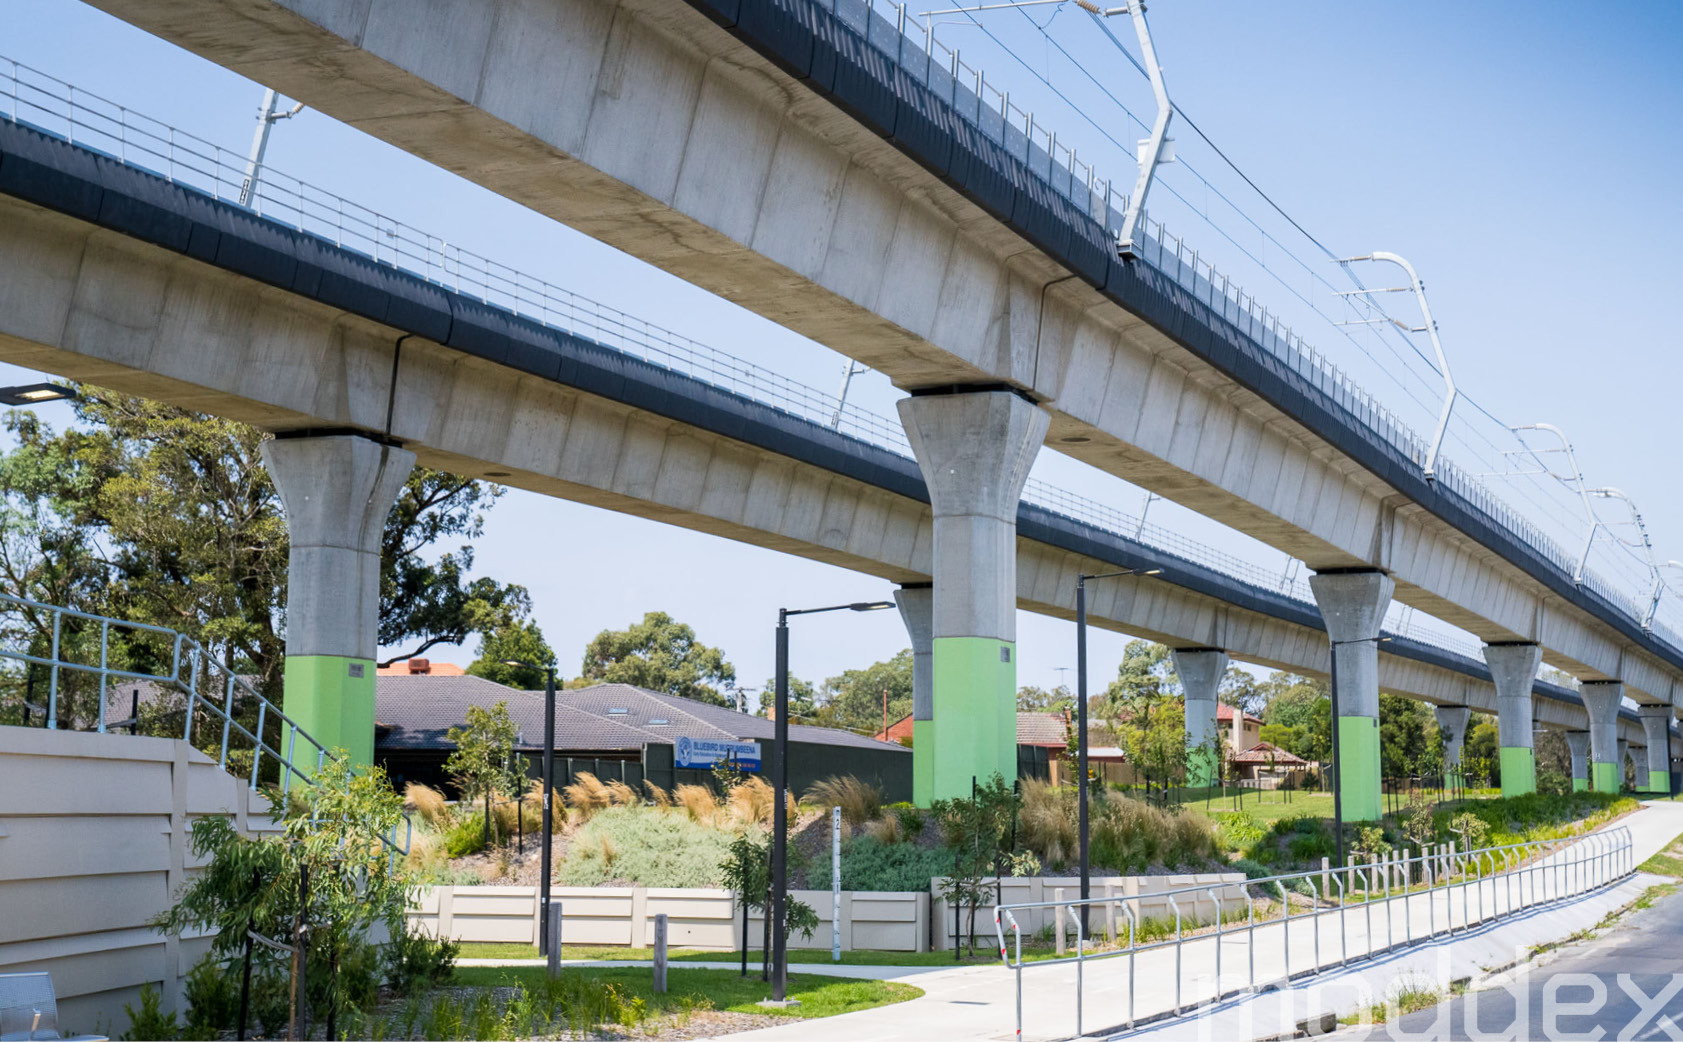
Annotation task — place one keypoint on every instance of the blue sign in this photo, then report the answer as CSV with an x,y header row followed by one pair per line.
x,y
705,752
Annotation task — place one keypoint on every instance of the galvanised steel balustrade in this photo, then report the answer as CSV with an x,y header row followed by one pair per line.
x,y
1491,883
220,710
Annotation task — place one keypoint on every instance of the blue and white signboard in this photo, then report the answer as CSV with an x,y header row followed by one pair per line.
x,y
705,752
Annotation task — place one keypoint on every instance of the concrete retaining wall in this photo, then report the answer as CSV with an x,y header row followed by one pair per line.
x,y
696,918
93,844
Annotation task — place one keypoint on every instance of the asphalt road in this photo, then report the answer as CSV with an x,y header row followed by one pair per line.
x,y
1627,984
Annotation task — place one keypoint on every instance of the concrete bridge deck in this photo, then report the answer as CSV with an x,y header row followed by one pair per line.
x,y
863,208
124,280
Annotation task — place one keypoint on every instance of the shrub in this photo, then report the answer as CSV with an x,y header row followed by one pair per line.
x,y
1240,831
586,795
212,991
1252,869
428,802
1310,849
911,819
657,795
414,960
697,801
646,848
1047,823
150,1022
885,830
870,865
623,795
860,801
751,801
1128,835
465,837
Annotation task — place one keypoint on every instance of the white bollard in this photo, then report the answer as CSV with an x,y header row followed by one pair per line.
x,y
1058,917
835,884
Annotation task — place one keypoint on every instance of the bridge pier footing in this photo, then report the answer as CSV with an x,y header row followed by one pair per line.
x,y
1601,700
975,448
1200,671
1352,606
1577,743
1514,667
336,491
1452,725
1656,724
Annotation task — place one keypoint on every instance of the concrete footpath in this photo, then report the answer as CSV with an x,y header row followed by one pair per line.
x,y
980,1002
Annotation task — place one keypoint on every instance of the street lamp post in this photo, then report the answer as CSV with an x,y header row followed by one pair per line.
x,y
780,810
1081,721
548,797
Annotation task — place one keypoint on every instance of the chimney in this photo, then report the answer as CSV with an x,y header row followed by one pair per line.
x,y
419,666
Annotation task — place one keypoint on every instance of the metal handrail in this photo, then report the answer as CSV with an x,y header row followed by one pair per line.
x,y
32,97
190,665
1556,870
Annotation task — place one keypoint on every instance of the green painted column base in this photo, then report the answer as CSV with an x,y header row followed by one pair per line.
x,y
923,762
1604,777
331,698
1580,784
1519,770
1659,781
975,680
1200,767
1358,767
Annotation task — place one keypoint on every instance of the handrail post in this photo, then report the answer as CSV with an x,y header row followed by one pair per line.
x,y
1343,937
1176,906
104,659
1080,963
52,683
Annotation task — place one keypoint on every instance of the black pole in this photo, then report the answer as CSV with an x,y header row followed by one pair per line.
x,y
780,816
1337,786
548,805
1081,739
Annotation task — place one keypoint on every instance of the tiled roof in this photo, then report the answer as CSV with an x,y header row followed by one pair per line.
x,y
415,712
1048,729
1224,713
1264,753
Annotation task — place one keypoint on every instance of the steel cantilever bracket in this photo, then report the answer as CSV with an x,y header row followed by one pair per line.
x,y
1155,150
1430,328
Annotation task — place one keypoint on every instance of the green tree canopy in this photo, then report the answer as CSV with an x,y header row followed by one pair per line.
x,y
660,654
1407,735
856,697
1031,699
803,699
1302,706
512,637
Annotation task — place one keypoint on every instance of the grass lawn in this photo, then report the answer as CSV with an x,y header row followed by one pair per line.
x,y
985,953
820,996
1668,862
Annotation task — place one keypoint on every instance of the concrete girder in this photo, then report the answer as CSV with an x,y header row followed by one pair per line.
x,y
109,310
836,234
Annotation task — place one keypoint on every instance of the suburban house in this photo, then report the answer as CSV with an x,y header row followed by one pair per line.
x,y
616,732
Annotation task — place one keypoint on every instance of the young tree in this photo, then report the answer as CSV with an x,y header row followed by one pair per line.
x,y
981,830
660,654
483,763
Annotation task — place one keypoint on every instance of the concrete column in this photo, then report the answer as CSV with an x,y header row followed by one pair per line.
x,y
1514,669
1577,743
336,491
1452,725
1353,606
917,606
1200,671
1624,757
1656,724
1602,700
974,449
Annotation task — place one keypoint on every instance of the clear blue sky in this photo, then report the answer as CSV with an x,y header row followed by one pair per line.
x,y
1523,156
